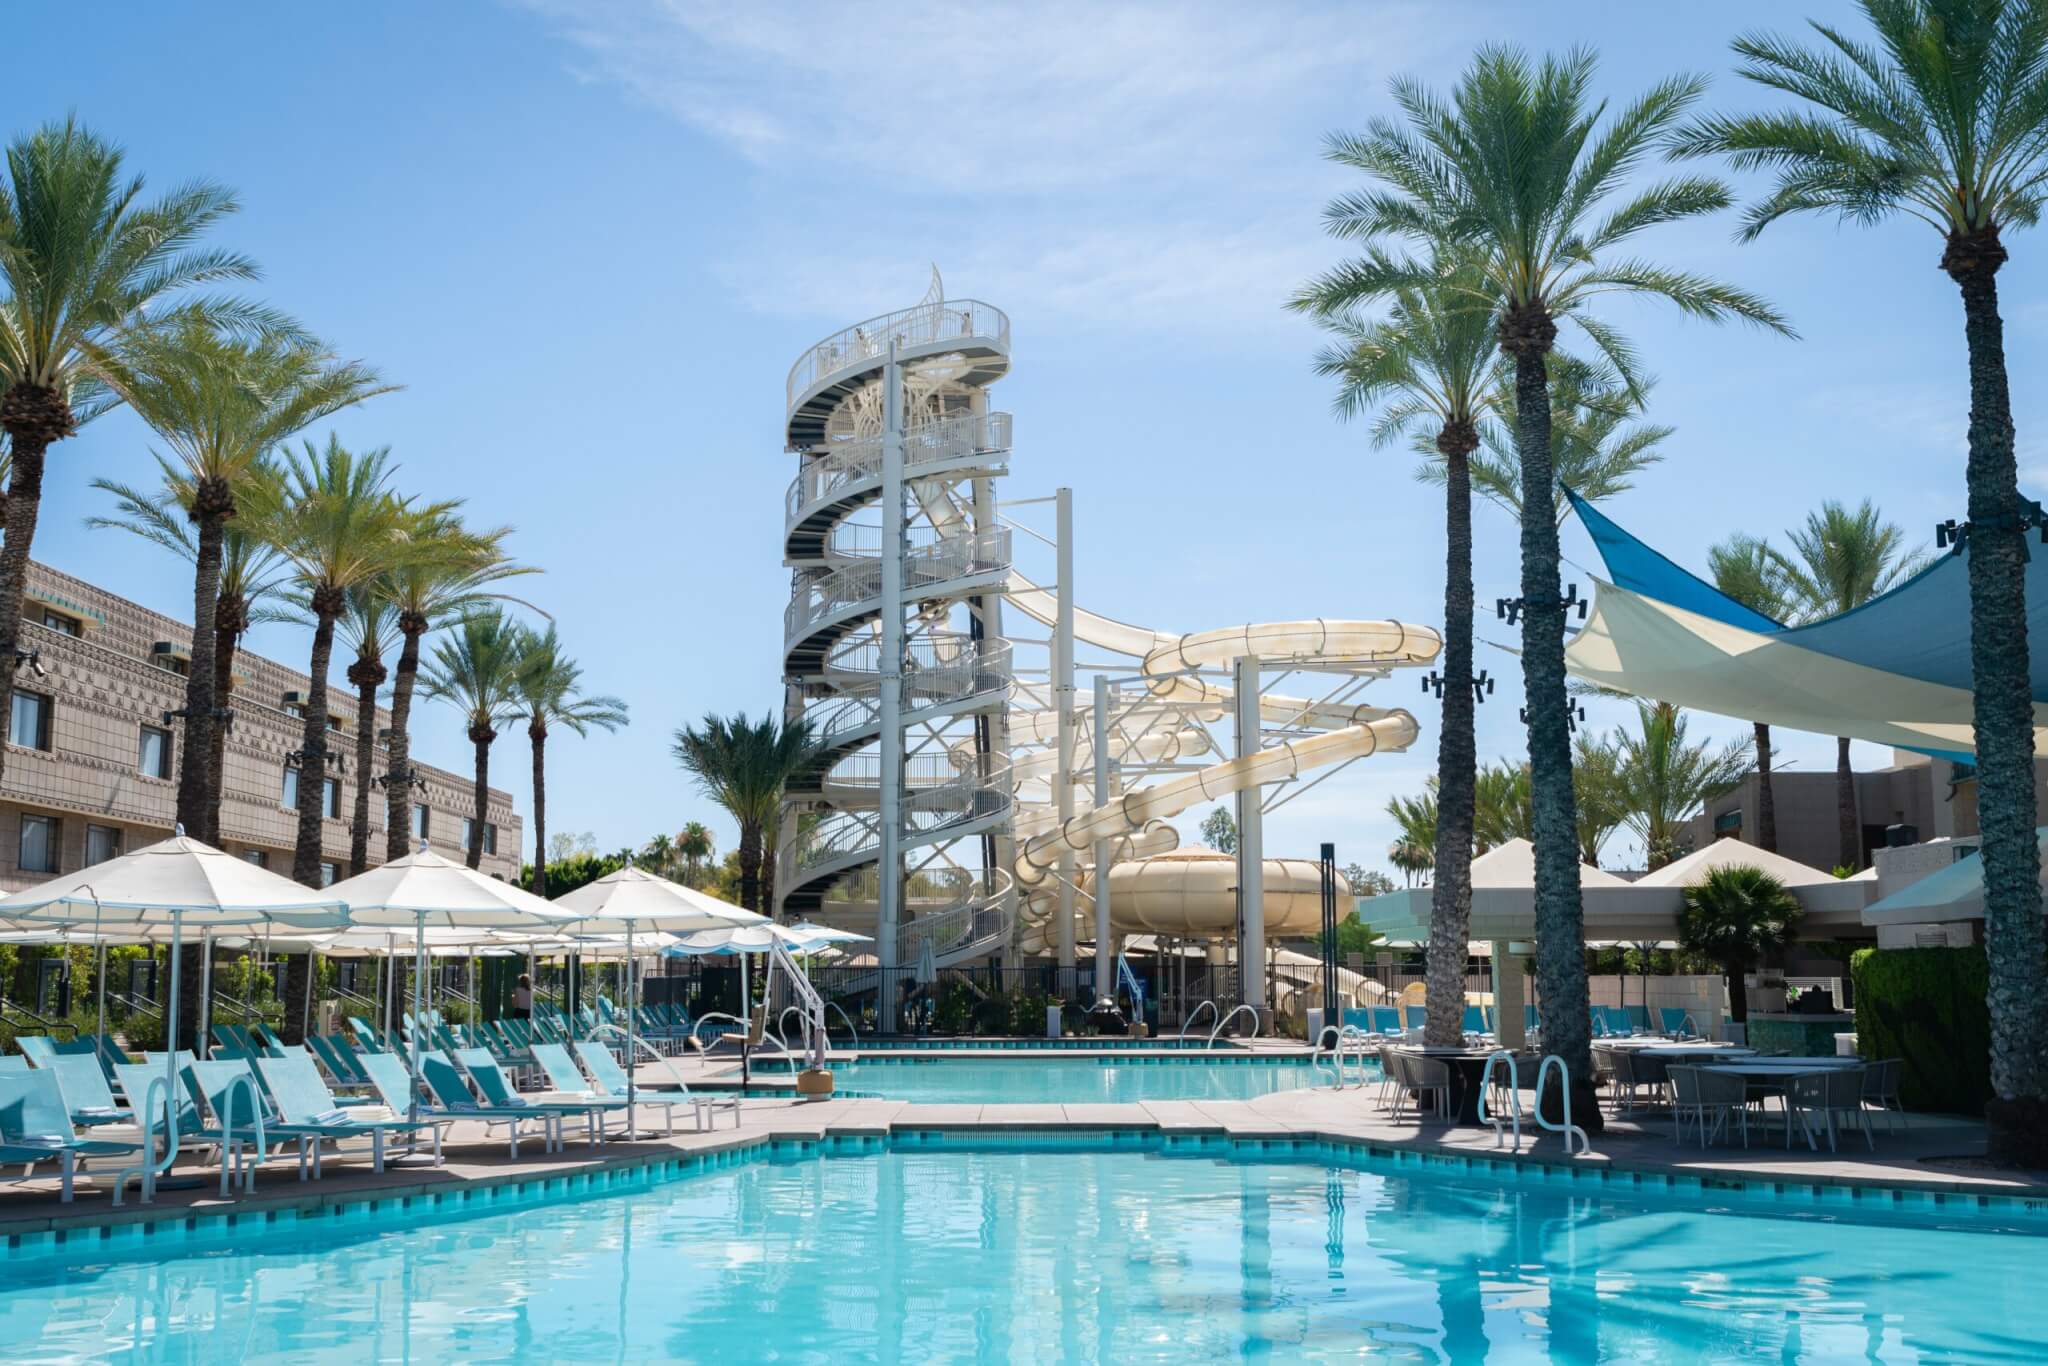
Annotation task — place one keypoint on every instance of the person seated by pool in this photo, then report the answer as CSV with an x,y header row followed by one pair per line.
x,y
522,998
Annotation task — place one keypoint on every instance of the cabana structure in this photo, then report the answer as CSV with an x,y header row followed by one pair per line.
x,y
1832,907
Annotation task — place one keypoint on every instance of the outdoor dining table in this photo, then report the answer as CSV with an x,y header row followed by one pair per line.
x,y
1696,1050
1769,1076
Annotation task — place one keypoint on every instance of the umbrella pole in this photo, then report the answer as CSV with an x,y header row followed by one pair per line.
x,y
632,1118
170,1055
419,977
99,977
205,993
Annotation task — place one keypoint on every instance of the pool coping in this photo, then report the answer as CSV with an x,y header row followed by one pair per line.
x,y
111,1230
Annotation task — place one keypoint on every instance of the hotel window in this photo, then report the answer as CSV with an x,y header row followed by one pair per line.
x,y
29,726
290,799
330,873
420,826
331,796
257,857
39,845
154,758
57,621
490,834
102,842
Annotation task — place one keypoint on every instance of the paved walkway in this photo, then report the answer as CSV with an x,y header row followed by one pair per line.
x,y
1929,1153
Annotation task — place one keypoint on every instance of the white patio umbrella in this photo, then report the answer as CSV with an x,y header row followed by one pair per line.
x,y
423,891
179,882
633,900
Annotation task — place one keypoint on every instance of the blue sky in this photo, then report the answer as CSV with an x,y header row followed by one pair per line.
x,y
590,237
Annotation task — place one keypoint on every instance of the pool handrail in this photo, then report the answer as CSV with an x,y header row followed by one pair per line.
x,y
1348,1036
851,1027
706,1018
145,1170
1514,1089
1235,1011
1187,1026
1567,1128
700,1102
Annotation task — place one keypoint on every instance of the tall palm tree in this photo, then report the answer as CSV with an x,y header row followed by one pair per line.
x,y
1598,792
442,571
1414,849
1945,120
1751,571
1426,367
334,526
249,588
693,843
83,263
1664,777
743,765
550,693
221,404
1515,163
1841,560
1598,443
476,669
368,627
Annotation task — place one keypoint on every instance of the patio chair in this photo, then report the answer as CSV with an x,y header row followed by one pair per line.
x,y
1881,1090
1419,1077
303,1100
236,1109
1702,1096
497,1092
454,1100
565,1082
13,1065
34,1127
338,1058
1474,1021
37,1048
1623,1069
1672,1020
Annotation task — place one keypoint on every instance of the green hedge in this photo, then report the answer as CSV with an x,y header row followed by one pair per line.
x,y
1928,1006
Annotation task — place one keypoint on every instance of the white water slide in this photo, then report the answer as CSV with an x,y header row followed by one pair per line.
x,y
1133,821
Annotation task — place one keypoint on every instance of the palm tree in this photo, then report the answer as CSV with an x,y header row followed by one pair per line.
x,y
1505,811
1664,777
249,588
1414,850
83,262
368,626
660,855
1734,916
1426,367
1750,571
222,404
1841,560
334,526
1514,164
476,670
549,693
1598,793
442,571
693,843
1945,120
1597,445
743,765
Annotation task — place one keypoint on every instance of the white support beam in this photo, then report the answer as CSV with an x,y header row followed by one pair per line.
x,y
1251,842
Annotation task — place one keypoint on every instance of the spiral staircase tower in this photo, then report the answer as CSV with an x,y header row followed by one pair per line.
x,y
892,642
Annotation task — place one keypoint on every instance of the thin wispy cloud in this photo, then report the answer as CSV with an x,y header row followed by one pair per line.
x,y
1149,164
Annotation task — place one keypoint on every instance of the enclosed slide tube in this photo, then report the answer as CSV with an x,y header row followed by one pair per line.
x,y
1134,811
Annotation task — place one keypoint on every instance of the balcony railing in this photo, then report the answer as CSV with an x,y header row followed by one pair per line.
x,y
851,463
866,344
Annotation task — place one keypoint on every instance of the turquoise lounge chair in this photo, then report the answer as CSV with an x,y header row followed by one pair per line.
x,y
244,1125
83,1085
454,1099
1474,1021
604,1069
304,1101
13,1065
497,1092
34,1127
1672,1018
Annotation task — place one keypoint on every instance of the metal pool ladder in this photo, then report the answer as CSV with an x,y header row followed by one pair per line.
x,y
1567,1128
1187,1025
1224,1023
1514,1089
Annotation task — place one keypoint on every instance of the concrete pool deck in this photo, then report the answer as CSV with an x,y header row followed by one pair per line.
x,y
1936,1154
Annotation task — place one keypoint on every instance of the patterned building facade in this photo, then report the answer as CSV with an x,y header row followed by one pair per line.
x,y
92,762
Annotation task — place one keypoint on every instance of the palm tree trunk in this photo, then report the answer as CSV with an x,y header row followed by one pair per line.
x,y
1738,999
537,733
33,416
480,737
313,743
2017,1115
1766,804
368,675
1849,829
750,866
198,807
398,780
1527,334
225,641
1457,760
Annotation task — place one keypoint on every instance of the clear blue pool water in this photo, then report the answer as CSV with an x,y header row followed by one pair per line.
x,y
1070,1081
1066,1254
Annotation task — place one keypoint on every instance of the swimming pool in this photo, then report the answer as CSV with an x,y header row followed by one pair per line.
x,y
1068,1081
1067,1250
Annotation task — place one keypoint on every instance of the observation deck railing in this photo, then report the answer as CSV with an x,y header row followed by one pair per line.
x,y
849,463
986,551
867,343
